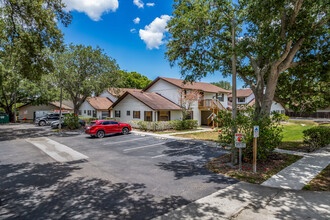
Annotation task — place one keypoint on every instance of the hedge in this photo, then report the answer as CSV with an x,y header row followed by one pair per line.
x,y
164,125
88,120
317,137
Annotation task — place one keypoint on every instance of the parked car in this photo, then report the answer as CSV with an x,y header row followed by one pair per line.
x,y
101,128
47,119
55,124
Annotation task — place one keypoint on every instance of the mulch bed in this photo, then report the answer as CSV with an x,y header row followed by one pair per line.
x,y
295,146
265,169
321,182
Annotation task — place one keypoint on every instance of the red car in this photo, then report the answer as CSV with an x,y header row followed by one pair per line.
x,y
102,127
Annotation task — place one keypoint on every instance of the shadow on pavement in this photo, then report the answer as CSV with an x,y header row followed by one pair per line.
x,y
11,134
200,155
48,191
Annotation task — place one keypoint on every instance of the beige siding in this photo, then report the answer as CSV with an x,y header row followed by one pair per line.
x,y
27,111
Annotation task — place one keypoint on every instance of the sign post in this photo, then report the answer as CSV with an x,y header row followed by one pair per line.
x,y
239,137
255,136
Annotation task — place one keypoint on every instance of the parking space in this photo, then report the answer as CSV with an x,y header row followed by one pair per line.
x,y
165,166
151,175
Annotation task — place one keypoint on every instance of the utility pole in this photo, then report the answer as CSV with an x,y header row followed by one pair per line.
x,y
234,103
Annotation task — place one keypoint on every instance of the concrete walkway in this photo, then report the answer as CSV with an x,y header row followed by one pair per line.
x,y
298,174
250,201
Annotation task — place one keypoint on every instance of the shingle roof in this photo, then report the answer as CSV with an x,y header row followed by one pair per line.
x,y
120,91
206,87
57,104
242,93
99,103
153,100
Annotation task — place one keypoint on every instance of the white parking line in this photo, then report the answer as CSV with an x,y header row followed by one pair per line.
x,y
55,150
117,142
163,155
136,148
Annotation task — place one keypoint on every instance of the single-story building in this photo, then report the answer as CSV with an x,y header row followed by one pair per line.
x,y
114,93
145,106
30,112
95,107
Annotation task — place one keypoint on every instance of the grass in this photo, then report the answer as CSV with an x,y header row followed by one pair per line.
x,y
208,135
293,135
293,131
321,182
176,131
265,169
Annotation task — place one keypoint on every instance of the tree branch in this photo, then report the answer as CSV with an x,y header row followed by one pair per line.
x,y
285,64
253,62
283,25
297,7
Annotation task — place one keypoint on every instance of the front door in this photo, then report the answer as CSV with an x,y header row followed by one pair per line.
x,y
148,116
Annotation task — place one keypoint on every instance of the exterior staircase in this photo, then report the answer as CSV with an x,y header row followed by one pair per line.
x,y
213,105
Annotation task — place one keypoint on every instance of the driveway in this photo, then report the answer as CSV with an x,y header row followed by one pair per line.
x,y
124,177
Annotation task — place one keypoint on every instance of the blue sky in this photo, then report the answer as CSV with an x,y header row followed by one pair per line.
x,y
137,46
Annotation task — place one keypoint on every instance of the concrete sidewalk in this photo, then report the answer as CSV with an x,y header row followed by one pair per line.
x,y
298,174
249,201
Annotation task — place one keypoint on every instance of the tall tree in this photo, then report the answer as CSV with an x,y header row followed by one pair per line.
x,y
222,84
134,80
28,27
273,37
84,71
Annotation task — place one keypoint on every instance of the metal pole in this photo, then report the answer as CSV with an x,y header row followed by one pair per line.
x,y
60,121
234,110
254,155
240,158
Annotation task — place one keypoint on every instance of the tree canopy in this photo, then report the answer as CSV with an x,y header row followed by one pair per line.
x,y
222,84
27,29
134,80
84,71
272,37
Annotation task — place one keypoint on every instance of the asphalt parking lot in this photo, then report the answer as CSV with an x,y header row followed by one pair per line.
x,y
125,176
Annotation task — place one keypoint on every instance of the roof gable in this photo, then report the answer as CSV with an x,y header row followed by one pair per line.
x,y
153,100
206,87
117,92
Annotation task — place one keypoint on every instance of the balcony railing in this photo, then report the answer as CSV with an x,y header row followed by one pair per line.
x,y
210,104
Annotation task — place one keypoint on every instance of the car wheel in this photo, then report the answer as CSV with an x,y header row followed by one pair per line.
x,y
100,134
42,123
125,131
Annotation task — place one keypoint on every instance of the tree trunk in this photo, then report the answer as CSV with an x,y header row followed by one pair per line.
x,y
9,112
270,91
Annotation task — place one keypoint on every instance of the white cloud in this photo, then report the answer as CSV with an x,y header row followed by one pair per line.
x,y
153,33
133,30
138,3
136,20
150,4
93,8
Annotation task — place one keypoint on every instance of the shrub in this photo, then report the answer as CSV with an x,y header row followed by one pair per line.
x,y
164,125
88,120
185,124
71,121
269,131
108,118
317,137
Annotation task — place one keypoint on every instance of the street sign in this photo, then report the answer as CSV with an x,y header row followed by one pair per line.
x,y
256,131
239,137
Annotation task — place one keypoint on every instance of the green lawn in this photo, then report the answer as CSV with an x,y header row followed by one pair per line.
x,y
294,132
